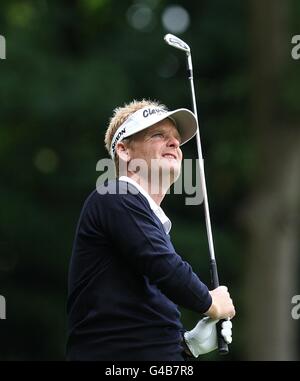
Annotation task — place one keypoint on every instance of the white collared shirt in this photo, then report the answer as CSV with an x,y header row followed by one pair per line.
x,y
160,214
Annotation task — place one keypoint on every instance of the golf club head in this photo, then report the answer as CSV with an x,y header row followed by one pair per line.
x,y
176,42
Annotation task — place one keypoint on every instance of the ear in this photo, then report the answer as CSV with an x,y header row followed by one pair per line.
x,y
122,151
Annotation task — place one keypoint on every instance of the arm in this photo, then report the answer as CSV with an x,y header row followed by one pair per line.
x,y
141,242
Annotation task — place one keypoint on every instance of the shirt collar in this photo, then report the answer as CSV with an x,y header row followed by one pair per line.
x,y
160,214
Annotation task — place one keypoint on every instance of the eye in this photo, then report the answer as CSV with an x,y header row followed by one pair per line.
x,y
158,135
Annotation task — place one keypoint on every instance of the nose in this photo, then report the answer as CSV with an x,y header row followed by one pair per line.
x,y
173,142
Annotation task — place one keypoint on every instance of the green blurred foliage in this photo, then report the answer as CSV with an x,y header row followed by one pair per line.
x,y
69,64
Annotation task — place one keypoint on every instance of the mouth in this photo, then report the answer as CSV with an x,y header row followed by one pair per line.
x,y
169,156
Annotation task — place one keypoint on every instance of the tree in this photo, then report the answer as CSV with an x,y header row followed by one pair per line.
x,y
272,216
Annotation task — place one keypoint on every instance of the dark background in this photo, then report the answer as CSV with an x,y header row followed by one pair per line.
x,y
68,65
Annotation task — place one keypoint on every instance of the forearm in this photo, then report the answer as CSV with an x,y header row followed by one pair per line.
x,y
183,286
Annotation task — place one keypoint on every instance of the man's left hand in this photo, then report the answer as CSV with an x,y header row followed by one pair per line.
x,y
203,338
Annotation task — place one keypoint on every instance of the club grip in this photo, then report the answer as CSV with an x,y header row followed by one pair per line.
x,y
222,345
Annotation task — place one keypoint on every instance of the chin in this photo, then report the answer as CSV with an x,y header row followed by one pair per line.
x,y
165,171
171,171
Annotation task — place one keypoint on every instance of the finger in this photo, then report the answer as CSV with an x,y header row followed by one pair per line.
x,y
227,335
226,332
227,324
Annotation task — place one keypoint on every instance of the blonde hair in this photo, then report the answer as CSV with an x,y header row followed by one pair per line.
x,y
120,115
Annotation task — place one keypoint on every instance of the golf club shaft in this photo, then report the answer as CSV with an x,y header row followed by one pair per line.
x,y
222,345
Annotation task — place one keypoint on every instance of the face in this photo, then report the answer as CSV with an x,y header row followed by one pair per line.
x,y
158,146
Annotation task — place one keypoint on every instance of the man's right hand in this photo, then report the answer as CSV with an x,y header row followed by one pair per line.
x,y
222,306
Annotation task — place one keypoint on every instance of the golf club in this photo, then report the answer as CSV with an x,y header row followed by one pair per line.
x,y
177,43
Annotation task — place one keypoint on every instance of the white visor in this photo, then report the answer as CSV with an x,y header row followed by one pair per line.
x,y
185,120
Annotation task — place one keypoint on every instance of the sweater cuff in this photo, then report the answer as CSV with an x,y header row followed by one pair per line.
x,y
205,305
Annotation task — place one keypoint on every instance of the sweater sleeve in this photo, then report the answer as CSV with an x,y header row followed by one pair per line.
x,y
141,242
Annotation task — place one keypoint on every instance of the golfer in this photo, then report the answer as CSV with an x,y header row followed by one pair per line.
x,y
126,281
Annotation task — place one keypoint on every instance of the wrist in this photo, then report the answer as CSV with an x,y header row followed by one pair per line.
x,y
185,348
213,311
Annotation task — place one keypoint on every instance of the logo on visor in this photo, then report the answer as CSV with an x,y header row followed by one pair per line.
x,y
117,138
151,111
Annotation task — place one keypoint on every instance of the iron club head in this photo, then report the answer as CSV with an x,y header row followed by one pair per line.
x,y
176,42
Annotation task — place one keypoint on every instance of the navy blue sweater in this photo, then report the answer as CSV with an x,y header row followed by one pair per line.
x,y
125,282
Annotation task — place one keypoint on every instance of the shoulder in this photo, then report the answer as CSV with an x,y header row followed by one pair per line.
x,y
115,193
117,201
116,187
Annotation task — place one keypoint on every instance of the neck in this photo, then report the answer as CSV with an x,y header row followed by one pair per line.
x,y
156,194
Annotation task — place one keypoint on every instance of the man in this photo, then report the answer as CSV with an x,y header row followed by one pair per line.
x,y
126,281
